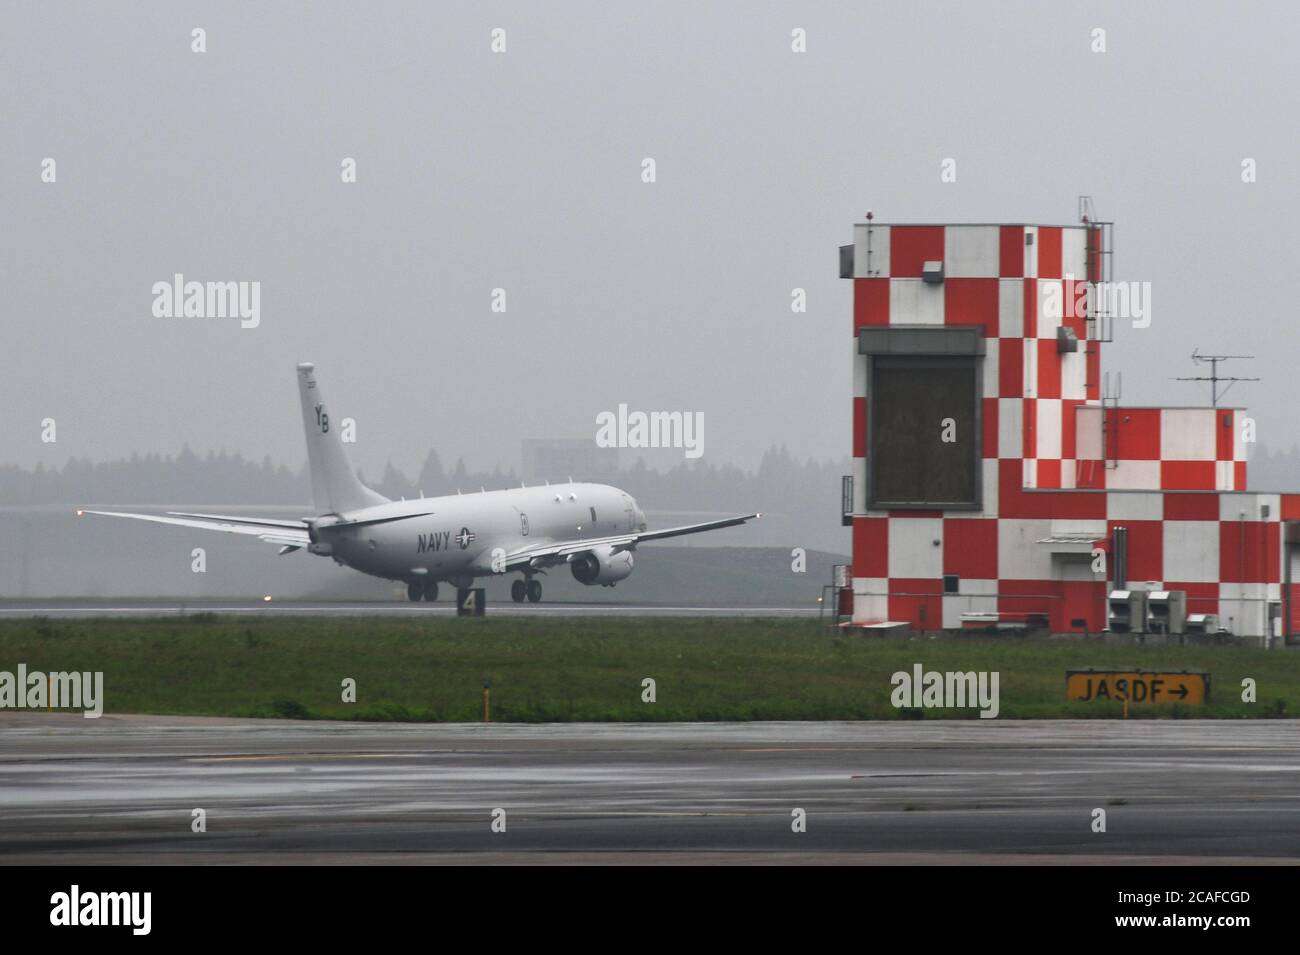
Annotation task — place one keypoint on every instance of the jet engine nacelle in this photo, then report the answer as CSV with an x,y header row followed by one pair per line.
x,y
601,566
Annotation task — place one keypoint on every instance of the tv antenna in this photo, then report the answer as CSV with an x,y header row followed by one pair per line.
x,y
1214,377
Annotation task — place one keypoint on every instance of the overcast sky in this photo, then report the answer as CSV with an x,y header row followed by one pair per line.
x,y
523,171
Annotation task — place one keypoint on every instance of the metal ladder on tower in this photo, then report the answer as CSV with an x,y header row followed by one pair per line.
x,y
1100,259
1100,262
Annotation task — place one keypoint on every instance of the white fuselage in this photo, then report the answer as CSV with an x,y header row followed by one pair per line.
x,y
590,528
455,538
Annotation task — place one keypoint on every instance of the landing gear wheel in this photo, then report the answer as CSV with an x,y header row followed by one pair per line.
x,y
414,591
534,591
518,590
431,590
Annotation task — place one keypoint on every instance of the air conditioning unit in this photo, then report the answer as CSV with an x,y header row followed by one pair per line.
x,y
1202,623
1167,611
1126,611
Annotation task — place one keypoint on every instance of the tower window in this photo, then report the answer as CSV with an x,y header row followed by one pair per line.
x,y
924,432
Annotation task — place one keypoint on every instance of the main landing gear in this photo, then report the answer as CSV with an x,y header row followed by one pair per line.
x,y
530,588
422,589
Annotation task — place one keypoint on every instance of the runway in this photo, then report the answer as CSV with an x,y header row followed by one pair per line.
x,y
446,608
122,789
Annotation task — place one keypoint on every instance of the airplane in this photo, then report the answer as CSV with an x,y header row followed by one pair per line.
x,y
593,528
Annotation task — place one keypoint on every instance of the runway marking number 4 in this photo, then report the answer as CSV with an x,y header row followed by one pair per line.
x,y
470,602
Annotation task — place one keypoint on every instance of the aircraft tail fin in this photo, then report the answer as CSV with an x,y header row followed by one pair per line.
x,y
335,487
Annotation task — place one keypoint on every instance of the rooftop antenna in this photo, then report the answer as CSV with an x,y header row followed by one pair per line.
x,y
1214,377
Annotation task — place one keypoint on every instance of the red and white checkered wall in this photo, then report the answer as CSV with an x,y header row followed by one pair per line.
x,y
1057,466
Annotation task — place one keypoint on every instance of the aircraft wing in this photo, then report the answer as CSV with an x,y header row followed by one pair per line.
x,y
558,552
291,535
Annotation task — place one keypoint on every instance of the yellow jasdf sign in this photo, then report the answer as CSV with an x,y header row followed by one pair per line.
x,y
1137,686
